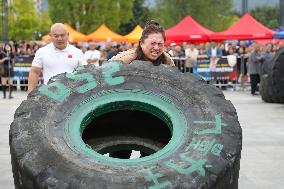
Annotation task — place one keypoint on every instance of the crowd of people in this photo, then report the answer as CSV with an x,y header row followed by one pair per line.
x,y
251,60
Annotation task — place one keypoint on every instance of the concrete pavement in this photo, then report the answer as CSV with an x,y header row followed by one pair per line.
x,y
7,110
262,163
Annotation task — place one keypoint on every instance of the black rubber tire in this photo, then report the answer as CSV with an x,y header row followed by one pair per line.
x,y
266,90
204,150
278,76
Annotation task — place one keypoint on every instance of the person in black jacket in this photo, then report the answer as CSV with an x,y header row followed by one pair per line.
x,y
7,71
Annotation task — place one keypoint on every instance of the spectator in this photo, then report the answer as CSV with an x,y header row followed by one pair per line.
x,y
232,57
172,49
55,58
21,51
7,71
103,56
242,45
281,45
178,54
191,54
202,50
255,61
214,54
223,49
274,49
242,65
92,56
184,46
234,47
112,52
268,55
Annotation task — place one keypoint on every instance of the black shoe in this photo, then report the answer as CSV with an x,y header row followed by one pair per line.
x,y
10,97
4,91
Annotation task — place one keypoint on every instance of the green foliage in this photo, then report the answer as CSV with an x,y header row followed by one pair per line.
x,y
88,15
124,15
44,23
1,22
141,15
213,14
267,15
23,21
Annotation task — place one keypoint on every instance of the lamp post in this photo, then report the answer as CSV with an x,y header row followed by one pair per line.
x,y
244,6
5,20
281,3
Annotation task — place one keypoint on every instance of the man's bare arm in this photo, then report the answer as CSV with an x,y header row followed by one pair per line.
x,y
33,78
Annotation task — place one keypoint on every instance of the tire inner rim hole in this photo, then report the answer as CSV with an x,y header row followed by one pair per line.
x,y
128,133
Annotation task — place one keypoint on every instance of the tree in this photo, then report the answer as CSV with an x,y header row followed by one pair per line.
x,y
1,22
44,22
87,15
267,15
141,15
23,20
213,14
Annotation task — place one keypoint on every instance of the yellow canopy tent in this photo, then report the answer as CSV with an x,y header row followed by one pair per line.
x,y
74,36
135,35
103,33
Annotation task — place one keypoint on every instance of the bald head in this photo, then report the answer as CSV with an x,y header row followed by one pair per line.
x,y
59,35
57,26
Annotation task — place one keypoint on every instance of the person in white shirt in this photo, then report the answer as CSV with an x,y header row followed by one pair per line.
x,y
172,47
232,57
191,54
55,58
92,56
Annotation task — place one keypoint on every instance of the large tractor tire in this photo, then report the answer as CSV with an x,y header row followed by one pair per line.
x,y
278,75
187,132
266,90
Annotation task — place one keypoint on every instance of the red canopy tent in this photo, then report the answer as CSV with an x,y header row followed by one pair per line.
x,y
246,28
188,30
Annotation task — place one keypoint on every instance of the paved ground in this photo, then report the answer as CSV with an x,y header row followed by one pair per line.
x,y
7,110
262,163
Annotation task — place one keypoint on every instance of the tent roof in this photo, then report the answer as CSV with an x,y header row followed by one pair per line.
x,y
246,28
187,30
135,35
279,35
75,36
103,33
